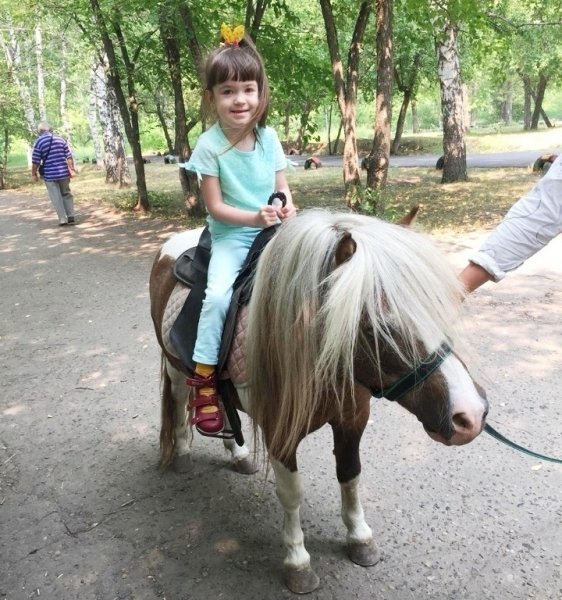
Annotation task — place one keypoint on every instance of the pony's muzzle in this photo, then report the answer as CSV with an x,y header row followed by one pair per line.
x,y
466,427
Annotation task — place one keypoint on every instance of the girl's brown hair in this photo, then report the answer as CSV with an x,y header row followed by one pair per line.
x,y
240,62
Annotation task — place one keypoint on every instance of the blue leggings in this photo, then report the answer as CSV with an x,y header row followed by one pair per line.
x,y
227,256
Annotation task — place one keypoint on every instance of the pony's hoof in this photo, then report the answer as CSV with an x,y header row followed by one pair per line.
x,y
245,466
364,555
302,581
182,463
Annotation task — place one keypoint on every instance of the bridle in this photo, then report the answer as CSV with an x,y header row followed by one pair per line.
x,y
416,376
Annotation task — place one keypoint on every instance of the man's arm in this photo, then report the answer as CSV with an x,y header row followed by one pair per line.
x,y
71,167
473,276
529,225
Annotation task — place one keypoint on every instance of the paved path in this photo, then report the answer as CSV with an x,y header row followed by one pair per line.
x,y
85,514
523,158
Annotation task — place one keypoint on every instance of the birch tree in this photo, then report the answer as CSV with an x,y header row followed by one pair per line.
x,y
448,70
114,159
40,73
12,51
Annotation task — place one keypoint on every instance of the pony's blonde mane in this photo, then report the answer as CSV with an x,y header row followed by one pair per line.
x,y
306,314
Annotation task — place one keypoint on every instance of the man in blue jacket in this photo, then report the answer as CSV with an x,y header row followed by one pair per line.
x,y
52,160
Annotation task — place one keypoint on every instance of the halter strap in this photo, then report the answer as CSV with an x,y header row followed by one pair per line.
x,y
416,376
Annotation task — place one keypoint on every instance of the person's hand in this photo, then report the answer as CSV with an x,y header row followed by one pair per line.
x,y
287,211
266,217
71,172
35,177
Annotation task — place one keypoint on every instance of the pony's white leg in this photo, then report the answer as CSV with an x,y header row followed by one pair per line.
x,y
241,460
180,393
360,546
358,532
300,578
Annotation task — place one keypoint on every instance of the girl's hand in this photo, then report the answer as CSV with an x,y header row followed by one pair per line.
x,y
287,211
266,217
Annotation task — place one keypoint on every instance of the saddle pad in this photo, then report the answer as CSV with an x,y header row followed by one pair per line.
x,y
173,308
236,363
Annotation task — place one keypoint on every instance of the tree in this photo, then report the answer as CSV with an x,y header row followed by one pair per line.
x,y
346,82
448,69
170,40
378,161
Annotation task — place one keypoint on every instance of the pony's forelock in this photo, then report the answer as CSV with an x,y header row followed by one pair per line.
x,y
397,285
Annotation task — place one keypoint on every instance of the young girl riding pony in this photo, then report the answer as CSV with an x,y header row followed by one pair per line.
x,y
239,163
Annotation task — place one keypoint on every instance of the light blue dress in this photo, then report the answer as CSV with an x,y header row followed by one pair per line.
x,y
247,179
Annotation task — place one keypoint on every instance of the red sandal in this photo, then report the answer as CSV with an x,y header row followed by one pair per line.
x,y
206,423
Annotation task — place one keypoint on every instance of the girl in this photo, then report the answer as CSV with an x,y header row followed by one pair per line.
x,y
239,163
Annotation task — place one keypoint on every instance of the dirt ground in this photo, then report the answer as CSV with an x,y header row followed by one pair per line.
x,y
85,513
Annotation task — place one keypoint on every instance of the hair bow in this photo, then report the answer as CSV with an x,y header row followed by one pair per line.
x,y
232,36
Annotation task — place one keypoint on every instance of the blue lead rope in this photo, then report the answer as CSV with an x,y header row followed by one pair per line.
x,y
498,436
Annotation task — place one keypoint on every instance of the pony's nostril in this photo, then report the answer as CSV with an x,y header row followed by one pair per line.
x,y
462,422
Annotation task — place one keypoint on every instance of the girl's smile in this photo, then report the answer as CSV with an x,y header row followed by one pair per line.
x,y
236,103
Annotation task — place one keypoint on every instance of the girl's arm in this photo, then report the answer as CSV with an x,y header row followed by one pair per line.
x,y
212,195
281,185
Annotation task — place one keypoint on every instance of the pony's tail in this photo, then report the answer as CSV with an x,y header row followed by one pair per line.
x,y
168,417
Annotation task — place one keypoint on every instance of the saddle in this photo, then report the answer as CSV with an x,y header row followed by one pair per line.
x,y
191,269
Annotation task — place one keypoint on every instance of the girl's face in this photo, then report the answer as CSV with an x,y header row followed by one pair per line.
x,y
236,103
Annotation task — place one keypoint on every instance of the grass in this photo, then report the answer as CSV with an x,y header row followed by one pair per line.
x,y
461,207
479,203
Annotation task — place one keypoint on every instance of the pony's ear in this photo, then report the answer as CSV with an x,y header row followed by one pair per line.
x,y
408,219
346,249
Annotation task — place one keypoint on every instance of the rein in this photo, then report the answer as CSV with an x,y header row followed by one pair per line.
x,y
501,438
415,377
420,373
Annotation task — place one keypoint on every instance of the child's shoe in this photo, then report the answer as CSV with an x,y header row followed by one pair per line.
x,y
207,416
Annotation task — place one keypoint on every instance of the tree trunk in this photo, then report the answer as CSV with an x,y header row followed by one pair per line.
x,y
13,61
415,118
454,148
507,104
301,134
466,117
115,160
4,159
190,188
93,117
62,103
40,73
346,92
539,98
546,120
255,9
329,129
128,106
407,89
400,122
158,101
338,136
527,91
287,124
378,162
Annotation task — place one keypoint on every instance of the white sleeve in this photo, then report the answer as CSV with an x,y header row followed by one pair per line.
x,y
529,225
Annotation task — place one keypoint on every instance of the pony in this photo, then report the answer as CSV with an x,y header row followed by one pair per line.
x,y
344,307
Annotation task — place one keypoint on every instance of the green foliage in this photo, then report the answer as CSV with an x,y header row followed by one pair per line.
x,y
499,39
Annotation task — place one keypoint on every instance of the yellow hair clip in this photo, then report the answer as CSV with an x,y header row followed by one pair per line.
x,y
232,37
